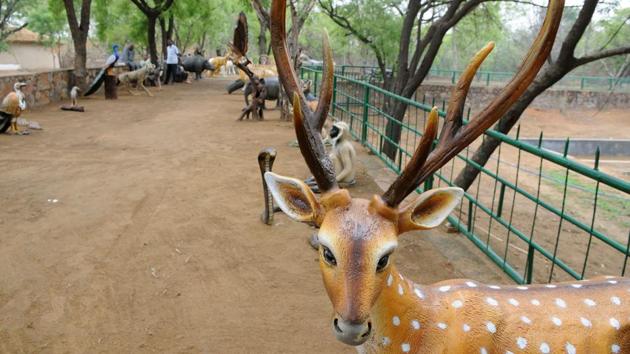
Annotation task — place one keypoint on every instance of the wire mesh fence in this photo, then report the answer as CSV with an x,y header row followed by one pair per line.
x,y
538,215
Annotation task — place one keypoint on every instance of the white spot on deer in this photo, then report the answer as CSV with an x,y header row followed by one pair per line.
x,y
615,348
561,304
521,287
590,302
526,320
615,300
556,321
396,320
386,341
551,286
442,325
521,342
418,293
612,282
405,347
457,304
466,328
570,348
535,302
544,348
491,327
483,350
400,276
495,287
444,288
415,324
400,289
585,322
615,323
508,352
577,286
513,302
473,285
390,280
491,301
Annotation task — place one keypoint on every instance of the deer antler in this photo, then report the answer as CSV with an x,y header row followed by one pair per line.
x,y
455,137
308,124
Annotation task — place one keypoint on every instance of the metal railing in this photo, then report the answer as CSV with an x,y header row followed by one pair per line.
x,y
539,215
373,75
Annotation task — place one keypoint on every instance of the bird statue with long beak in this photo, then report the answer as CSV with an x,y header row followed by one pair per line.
x,y
12,106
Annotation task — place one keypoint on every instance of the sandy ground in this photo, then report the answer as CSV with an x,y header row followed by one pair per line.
x,y
154,243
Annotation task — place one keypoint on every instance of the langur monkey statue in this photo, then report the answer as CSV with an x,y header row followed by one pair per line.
x,y
342,155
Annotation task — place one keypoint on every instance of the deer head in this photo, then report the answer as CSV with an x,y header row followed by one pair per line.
x,y
358,238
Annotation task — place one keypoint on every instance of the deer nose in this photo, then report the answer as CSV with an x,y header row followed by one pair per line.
x,y
351,333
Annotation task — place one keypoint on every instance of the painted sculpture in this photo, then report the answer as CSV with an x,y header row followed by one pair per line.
x,y
266,158
238,55
378,309
343,156
137,77
197,64
12,106
106,75
74,101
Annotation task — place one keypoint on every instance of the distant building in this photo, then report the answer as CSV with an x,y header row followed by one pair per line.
x,y
26,52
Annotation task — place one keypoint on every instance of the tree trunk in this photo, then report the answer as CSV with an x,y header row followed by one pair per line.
x,y
393,129
262,42
151,39
80,62
469,173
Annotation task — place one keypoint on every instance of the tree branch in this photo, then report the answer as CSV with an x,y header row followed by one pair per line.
x,y
601,55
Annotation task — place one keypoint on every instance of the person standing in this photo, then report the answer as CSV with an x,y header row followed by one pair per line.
x,y
127,56
172,59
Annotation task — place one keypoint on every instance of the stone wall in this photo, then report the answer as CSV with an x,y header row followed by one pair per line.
x,y
43,87
564,99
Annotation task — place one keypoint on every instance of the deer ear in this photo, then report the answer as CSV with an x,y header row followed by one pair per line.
x,y
430,209
295,198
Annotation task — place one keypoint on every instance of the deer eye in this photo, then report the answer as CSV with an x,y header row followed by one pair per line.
x,y
328,256
382,263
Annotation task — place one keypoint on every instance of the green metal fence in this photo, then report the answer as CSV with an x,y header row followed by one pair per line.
x,y
539,215
373,75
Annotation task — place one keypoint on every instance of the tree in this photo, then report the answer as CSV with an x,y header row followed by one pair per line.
x,y
417,47
300,10
8,13
79,28
565,61
152,14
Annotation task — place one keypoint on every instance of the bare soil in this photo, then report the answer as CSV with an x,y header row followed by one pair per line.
x,y
134,228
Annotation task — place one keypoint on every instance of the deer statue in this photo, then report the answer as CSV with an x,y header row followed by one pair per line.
x,y
377,308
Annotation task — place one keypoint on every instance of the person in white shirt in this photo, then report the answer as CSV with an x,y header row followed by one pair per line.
x,y
172,59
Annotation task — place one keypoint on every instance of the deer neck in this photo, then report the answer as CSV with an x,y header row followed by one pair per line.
x,y
402,308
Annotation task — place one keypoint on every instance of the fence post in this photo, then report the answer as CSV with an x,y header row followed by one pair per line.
x,y
582,83
364,123
488,79
501,197
343,70
315,81
334,99
453,77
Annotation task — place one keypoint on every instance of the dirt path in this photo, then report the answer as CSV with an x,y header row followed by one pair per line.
x,y
154,243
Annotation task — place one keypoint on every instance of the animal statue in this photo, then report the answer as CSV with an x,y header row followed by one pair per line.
x,y
230,68
137,77
107,70
375,306
74,96
272,85
266,158
74,101
343,156
197,64
12,106
218,63
258,70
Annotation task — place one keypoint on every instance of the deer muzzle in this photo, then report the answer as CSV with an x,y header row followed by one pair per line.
x,y
351,333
